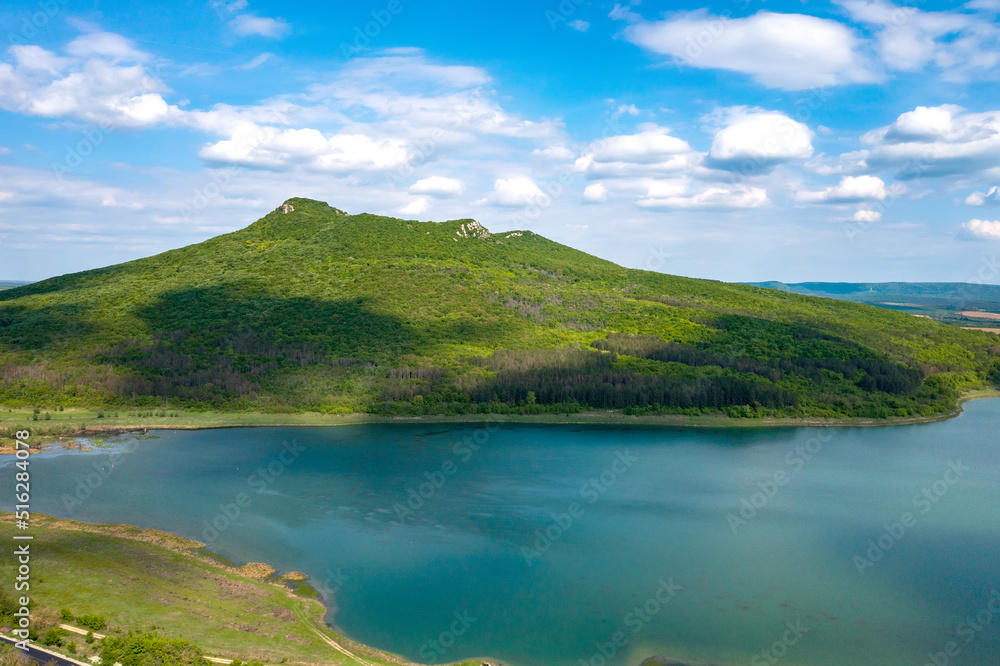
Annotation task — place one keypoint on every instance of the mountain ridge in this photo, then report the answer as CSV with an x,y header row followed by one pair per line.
x,y
310,307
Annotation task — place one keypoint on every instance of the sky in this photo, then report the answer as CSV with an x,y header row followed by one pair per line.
x,y
853,140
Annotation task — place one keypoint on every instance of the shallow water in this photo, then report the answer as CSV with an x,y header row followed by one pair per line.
x,y
632,515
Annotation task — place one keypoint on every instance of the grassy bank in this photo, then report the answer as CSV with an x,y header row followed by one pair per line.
x,y
148,580
81,422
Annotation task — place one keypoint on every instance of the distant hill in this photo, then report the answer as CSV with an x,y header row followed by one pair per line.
x,y
955,295
312,308
12,284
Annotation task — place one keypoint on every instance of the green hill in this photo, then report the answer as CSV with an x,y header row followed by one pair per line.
x,y
320,310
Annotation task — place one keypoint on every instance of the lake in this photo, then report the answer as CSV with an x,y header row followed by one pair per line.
x,y
562,545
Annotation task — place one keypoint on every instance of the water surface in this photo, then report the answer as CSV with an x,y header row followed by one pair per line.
x,y
629,515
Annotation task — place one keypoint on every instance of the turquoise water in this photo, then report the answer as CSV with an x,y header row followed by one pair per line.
x,y
645,544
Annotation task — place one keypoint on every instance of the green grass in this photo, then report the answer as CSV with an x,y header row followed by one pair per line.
x,y
99,569
320,311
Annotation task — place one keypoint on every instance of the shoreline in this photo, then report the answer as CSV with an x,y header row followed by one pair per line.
x,y
253,571
266,574
63,429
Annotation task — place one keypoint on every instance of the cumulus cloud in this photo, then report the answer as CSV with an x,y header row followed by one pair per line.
x,y
936,141
246,25
865,215
391,112
105,82
438,186
787,51
980,230
595,193
651,150
418,206
309,148
579,25
851,189
512,192
762,138
988,198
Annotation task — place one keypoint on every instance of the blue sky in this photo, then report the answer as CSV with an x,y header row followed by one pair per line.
x,y
855,140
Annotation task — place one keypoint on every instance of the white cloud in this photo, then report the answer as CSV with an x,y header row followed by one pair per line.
x,y
418,206
561,153
309,148
712,197
936,141
980,230
105,44
228,7
438,186
653,150
847,164
95,89
984,5
246,25
865,215
35,58
365,120
851,189
256,62
788,51
595,193
908,39
579,25
763,138
990,197
516,191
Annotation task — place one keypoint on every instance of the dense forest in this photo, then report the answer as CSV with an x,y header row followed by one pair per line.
x,y
319,310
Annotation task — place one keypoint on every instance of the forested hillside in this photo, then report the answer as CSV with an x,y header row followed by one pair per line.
x,y
315,309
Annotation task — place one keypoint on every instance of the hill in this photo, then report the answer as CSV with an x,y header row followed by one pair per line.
x,y
957,295
312,308
958,303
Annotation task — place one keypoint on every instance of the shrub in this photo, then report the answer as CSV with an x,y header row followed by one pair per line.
x,y
54,635
67,615
150,649
92,621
